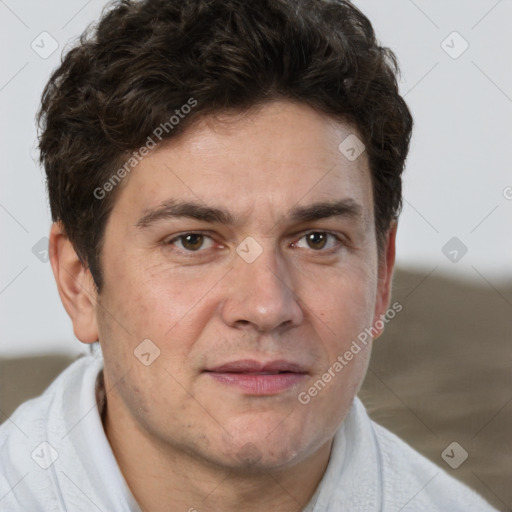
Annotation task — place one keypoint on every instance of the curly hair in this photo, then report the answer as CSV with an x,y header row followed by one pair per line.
x,y
144,59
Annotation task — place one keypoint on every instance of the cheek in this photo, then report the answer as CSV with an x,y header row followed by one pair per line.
x,y
343,305
157,300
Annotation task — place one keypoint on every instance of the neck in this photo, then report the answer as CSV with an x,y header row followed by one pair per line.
x,y
162,475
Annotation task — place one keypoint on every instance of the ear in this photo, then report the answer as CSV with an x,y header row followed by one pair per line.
x,y
385,276
75,284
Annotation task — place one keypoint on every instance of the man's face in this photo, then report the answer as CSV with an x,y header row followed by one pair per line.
x,y
252,280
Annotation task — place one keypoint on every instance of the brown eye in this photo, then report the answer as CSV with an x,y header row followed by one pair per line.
x,y
316,240
192,242
320,241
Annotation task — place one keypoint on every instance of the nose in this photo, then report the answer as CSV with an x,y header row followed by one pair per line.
x,y
260,295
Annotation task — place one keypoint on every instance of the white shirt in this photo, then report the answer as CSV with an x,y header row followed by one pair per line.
x,y
55,456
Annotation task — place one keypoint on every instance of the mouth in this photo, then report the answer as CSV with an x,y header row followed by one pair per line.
x,y
258,378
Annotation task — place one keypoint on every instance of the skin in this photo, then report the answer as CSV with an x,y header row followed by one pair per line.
x,y
183,440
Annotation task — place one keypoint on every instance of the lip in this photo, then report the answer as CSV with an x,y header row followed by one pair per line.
x,y
257,377
253,366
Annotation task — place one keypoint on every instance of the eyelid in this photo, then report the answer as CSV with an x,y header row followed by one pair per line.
x,y
175,238
299,236
339,239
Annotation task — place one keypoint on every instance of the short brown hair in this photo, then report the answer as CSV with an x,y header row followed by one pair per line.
x,y
145,59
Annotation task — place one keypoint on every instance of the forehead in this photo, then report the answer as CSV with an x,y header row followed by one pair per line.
x,y
266,161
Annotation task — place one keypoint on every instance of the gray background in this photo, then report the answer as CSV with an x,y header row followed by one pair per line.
x,y
458,181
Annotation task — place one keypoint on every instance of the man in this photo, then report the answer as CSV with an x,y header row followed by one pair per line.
x,y
225,180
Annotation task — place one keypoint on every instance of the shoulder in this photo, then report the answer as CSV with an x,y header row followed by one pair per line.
x,y
27,438
411,481
33,416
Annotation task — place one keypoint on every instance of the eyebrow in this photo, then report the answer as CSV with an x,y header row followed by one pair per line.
x,y
170,209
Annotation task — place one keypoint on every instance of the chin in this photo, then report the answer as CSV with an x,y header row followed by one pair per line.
x,y
256,453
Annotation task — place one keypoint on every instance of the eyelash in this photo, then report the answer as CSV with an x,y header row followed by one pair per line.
x,y
339,241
